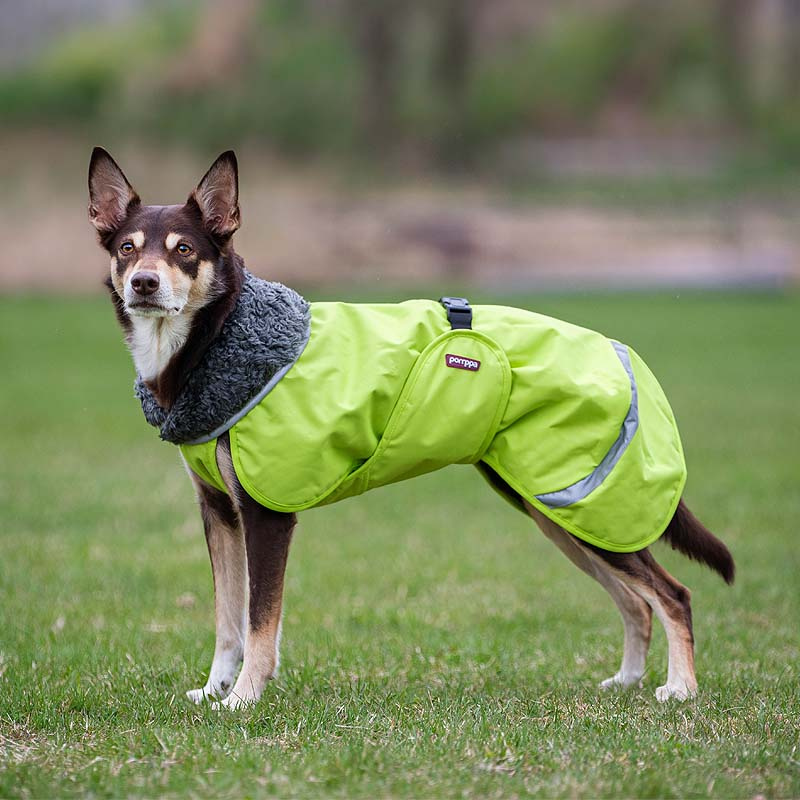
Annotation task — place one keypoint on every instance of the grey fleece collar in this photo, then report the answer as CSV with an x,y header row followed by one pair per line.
x,y
264,335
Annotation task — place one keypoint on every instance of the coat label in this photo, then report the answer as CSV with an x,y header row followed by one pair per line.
x,y
461,362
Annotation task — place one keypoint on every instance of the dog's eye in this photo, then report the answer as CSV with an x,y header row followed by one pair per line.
x,y
184,249
126,248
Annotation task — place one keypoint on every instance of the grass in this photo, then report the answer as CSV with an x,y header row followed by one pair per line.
x,y
435,644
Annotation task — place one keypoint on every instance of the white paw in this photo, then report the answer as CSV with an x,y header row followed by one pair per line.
x,y
197,695
620,681
614,682
206,693
680,691
234,702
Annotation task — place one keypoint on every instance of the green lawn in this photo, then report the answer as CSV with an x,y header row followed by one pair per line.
x,y
435,644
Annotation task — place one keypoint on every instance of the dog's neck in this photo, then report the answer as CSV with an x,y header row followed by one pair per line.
x,y
153,341
166,349
218,372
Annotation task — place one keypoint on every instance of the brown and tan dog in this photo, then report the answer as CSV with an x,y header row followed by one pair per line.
x,y
174,280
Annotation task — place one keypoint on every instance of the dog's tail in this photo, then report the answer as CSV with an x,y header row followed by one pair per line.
x,y
686,534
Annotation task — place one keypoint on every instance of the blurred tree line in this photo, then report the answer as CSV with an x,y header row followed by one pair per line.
x,y
443,81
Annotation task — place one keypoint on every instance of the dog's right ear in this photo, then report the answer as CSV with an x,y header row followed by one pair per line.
x,y
110,194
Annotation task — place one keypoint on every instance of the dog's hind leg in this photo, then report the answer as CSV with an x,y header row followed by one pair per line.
x,y
671,602
642,576
636,613
226,548
267,535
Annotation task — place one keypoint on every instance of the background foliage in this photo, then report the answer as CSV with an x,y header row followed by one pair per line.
x,y
443,81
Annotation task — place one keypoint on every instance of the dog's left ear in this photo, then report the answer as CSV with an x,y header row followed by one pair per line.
x,y
217,195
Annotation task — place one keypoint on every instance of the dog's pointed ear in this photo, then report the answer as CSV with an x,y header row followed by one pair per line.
x,y
110,193
217,196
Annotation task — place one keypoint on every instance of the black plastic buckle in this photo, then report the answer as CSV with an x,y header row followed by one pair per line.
x,y
459,313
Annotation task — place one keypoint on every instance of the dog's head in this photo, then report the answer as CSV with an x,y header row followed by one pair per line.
x,y
164,259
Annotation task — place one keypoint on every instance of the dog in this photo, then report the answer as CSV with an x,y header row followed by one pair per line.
x,y
211,343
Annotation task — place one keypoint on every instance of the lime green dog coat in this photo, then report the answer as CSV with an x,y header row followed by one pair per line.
x,y
573,422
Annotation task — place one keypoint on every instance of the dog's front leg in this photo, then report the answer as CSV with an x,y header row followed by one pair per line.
x,y
226,548
267,536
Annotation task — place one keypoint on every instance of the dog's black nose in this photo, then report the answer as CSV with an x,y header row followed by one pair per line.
x,y
145,283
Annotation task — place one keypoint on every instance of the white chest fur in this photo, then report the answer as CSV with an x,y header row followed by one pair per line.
x,y
154,340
